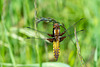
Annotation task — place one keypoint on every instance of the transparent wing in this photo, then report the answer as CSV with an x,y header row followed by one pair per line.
x,y
71,29
41,35
44,35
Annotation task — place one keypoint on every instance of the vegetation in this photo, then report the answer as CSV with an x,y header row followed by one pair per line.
x,y
17,51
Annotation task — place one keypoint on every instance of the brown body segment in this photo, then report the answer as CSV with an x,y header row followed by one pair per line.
x,y
56,39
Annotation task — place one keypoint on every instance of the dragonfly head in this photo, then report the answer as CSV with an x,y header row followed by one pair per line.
x,y
56,25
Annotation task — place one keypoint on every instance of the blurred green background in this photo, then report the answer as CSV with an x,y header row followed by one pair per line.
x,y
16,15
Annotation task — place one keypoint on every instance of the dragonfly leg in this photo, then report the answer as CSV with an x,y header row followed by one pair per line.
x,y
62,33
50,39
51,35
62,38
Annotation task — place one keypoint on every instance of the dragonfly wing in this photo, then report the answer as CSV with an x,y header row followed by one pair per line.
x,y
51,35
37,30
50,39
31,34
62,38
45,39
72,26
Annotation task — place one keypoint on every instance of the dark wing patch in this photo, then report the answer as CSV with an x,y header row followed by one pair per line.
x,y
62,38
51,35
50,39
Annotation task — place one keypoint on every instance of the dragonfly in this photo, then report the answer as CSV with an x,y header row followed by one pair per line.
x,y
56,35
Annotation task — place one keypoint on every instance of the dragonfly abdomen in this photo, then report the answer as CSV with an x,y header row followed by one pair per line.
x,y
56,49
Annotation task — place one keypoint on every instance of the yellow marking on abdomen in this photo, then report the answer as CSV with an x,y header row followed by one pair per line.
x,y
56,49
